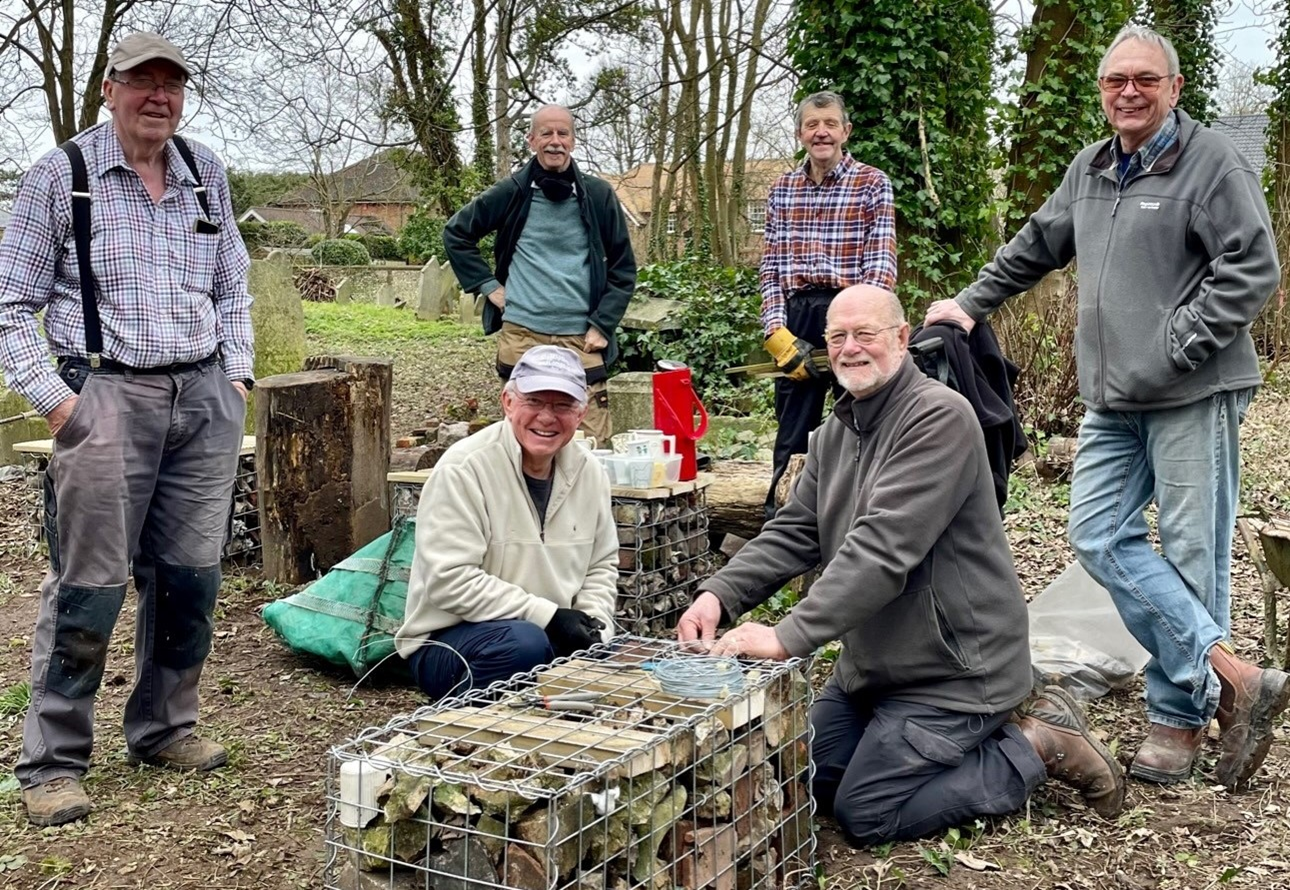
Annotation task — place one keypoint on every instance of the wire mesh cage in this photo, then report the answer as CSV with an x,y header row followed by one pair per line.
x,y
585,775
663,554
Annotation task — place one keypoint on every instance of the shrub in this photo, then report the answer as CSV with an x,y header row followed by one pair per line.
x,y
340,252
720,327
422,238
252,233
284,233
381,247
314,240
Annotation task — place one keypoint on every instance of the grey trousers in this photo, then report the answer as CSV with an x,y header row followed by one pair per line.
x,y
890,770
142,473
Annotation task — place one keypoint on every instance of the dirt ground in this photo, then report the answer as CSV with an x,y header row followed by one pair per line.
x,y
259,822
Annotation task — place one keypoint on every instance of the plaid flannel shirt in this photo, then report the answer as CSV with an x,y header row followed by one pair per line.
x,y
1142,160
835,234
166,294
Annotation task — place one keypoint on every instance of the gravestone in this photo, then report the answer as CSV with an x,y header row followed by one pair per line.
x,y
12,405
631,401
345,291
278,319
437,291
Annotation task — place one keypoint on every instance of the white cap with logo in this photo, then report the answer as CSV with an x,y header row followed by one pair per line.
x,y
550,368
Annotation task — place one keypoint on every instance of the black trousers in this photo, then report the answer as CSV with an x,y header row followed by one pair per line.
x,y
891,770
799,406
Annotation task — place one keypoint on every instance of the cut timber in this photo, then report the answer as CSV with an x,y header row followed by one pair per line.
x,y
554,739
322,449
737,497
630,687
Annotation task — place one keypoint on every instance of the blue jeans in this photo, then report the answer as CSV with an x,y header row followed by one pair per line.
x,y
1176,602
495,650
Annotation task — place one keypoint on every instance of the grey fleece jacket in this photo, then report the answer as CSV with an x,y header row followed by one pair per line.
x,y
897,503
1172,271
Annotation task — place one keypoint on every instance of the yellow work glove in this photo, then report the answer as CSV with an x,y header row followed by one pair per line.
x,y
792,355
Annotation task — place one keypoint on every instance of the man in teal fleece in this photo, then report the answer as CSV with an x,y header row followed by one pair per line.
x,y
916,730
1176,259
565,270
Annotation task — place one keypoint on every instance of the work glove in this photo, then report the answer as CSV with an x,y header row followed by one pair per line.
x,y
792,355
571,629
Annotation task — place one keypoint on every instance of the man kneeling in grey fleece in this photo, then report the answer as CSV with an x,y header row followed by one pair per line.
x,y
916,730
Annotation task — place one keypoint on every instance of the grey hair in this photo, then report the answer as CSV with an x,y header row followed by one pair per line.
x,y
1145,35
573,121
822,99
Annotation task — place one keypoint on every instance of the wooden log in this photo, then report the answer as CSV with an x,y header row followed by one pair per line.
x,y
322,455
737,497
419,457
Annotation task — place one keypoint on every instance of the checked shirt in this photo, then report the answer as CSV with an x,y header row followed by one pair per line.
x,y
832,235
166,294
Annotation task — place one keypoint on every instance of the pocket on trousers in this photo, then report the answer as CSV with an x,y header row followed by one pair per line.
x,y
931,745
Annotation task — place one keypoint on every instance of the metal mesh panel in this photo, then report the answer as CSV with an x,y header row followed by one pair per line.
x,y
635,789
662,556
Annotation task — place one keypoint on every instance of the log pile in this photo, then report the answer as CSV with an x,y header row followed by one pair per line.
x,y
315,286
662,557
649,791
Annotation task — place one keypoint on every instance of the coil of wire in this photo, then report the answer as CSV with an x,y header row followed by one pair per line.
x,y
700,676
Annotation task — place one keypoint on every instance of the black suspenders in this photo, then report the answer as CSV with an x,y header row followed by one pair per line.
x,y
81,233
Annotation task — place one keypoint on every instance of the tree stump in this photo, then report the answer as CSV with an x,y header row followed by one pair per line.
x,y
737,497
322,453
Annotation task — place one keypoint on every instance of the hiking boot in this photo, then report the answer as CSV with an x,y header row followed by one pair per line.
x,y
1055,727
190,752
56,802
1168,754
1250,700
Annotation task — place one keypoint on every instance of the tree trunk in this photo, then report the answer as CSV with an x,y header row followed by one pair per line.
x,y
322,454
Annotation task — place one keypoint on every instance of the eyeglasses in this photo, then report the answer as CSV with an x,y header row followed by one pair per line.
x,y
838,339
1146,83
560,408
149,86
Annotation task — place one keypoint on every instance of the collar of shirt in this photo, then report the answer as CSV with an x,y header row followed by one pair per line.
x,y
108,155
846,166
1145,157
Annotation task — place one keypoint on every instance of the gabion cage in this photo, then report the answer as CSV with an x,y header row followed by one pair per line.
x,y
615,786
662,556
663,550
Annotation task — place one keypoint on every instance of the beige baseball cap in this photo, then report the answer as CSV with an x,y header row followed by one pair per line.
x,y
550,369
144,47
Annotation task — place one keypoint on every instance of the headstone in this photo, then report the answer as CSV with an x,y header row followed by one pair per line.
x,y
469,309
437,291
631,401
385,293
653,314
322,451
12,405
278,319
345,291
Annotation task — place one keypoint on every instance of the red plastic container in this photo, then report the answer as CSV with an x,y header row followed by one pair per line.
x,y
678,412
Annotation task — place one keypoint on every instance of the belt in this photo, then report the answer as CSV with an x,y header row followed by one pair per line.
x,y
107,366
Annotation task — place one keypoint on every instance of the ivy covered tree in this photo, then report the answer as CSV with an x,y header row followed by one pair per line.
x,y
1189,24
916,77
1058,110
1277,174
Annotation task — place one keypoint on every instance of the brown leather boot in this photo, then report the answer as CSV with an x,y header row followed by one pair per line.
x,y
1168,754
1250,701
1055,727
189,753
56,802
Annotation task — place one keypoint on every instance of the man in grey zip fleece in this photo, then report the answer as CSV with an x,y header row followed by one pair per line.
x,y
1176,259
915,731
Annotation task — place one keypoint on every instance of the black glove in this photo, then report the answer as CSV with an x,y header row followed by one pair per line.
x,y
570,630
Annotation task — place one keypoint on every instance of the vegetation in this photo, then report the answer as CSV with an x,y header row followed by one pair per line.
x,y
719,328
1189,25
340,252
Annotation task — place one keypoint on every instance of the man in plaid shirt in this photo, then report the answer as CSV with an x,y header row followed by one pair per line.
x,y
145,402
830,224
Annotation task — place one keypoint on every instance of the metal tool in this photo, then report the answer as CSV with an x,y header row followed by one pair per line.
x,y
819,358
565,701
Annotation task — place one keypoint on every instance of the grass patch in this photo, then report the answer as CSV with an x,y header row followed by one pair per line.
x,y
368,326
15,699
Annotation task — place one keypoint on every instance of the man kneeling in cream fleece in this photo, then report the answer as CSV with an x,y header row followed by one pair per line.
x,y
516,552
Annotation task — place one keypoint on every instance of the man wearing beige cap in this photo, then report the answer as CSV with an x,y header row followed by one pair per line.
x,y
516,555
124,237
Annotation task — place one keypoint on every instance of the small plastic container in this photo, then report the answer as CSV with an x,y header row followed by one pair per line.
x,y
360,780
672,468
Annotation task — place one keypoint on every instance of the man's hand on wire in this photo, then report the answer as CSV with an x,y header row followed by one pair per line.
x,y
792,355
572,629
700,620
948,310
751,640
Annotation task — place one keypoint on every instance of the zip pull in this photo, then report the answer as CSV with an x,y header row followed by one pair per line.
x,y
1116,206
